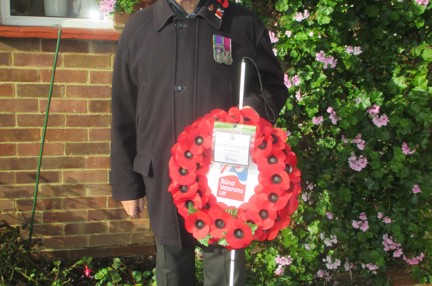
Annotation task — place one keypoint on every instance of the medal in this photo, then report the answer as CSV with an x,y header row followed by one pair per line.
x,y
222,50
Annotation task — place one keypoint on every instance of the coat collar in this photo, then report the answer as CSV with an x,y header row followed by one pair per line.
x,y
211,11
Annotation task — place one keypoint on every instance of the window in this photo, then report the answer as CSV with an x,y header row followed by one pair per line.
x,y
64,13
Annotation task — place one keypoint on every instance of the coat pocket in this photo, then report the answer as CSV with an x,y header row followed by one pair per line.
x,y
143,165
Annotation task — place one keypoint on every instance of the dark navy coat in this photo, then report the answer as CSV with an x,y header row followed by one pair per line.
x,y
165,77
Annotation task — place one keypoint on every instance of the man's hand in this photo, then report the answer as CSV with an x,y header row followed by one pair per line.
x,y
134,208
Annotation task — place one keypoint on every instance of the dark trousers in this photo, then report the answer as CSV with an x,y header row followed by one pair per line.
x,y
176,266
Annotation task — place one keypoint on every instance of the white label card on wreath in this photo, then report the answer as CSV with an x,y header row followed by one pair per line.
x,y
232,143
232,176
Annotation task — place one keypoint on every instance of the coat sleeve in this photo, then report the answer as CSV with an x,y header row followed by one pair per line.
x,y
271,100
126,184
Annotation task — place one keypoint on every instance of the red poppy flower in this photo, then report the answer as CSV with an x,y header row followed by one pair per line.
x,y
250,116
180,192
198,224
262,147
186,159
239,234
275,160
295,176
220,221
184,204
278,201
292,205
224,3
263,208
274,178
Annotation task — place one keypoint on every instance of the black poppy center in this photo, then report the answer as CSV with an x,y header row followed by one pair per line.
x,y
263,214
272,160
263,145
275,139
188,154
288,168
199,140
238,233
273,197
276,179
189,204
183,189
199,224
219,223
183,172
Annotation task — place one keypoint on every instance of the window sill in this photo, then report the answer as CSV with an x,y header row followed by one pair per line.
x,y
52,33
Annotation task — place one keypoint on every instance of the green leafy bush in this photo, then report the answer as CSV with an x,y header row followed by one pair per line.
x,y
359,118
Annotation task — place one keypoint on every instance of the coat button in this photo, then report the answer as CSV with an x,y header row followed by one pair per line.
x,y
178,88
178,25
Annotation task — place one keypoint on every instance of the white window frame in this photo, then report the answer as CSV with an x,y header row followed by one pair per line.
x,y
8,19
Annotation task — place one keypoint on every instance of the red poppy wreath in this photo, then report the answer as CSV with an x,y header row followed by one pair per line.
x,y
272,201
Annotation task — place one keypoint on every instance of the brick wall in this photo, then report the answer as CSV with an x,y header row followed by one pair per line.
x,y
74,207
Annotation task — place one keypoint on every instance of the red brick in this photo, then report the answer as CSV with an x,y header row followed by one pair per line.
x,y
107,214
86,228
19,75
103,47
100,134
85,203
7,205
5,59
100,106
18,163
41,204
19,218
66,46
87,148
19,105
7,149
6,90
65,242
144,237
65,76
68,135
85,176
23,44
37,120
93,91
65,105
37,60
109,239
48,229
33,149
102,189
13,191
44,177
129,225
62,191
102,162
64,216
19,135
7,120
65,162
88,120
7,178
101,77
39,90
87,61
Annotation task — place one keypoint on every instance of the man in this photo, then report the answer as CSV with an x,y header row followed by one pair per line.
x,y
175,62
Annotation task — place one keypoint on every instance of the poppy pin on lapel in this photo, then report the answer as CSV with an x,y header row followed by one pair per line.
x,y
222,52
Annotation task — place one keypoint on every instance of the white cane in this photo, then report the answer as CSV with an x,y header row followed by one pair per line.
x,y
241,95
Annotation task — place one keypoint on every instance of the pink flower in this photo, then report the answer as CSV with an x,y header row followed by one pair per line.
x,y
107,6
317,120
363,216
357,51
296,80
333,116
356,224
379,215
326,60
298,95
353,50
387,220
415,260
364,226
398,252
273,37
359,142
371,267
288,33
283,260
302,16
279,270
329,215
332,264
357,164
406,150
87,271
287,81
374,110
422,2
416,189
380,121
